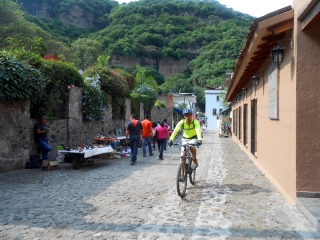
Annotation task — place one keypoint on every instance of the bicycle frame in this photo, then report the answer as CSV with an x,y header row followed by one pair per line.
x,y
185,169
187,153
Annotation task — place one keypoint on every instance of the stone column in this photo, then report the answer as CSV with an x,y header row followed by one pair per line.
x,y
74,116
141,112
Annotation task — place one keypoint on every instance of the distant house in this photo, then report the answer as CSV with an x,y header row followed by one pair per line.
x,y
213,106
275,100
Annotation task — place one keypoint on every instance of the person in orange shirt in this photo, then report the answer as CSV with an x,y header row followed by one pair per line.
x,y
147,134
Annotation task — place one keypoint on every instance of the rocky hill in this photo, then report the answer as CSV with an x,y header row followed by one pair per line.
x,y
200,38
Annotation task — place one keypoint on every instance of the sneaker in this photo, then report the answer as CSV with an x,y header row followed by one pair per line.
x,y
144,155
132,163
161,158
181,178
151,154
195,163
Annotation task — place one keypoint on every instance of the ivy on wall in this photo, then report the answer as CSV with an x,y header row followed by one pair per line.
x,y
93,101
160,104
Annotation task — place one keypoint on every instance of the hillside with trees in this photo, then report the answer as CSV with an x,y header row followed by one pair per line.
x,y
205,32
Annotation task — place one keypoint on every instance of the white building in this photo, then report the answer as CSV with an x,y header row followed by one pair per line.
x,y
213,106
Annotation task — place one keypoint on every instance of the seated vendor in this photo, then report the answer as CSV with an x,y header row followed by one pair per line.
x,y
114,143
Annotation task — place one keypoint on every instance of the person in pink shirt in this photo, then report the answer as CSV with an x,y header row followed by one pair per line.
x,y
162,135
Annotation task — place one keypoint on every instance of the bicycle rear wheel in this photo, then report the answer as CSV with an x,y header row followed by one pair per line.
x,y
181,180
192,174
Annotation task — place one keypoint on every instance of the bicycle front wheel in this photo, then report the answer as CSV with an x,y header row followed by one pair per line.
x,y
181,180
192,174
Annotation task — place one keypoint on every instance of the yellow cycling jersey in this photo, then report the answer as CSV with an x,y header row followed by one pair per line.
x,y
189,131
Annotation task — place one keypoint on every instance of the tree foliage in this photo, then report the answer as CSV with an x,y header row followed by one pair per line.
x,y
19,81
111,81
207,33
87,51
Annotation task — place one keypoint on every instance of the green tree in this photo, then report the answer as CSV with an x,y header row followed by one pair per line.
x,y
87,50
176,83
143,79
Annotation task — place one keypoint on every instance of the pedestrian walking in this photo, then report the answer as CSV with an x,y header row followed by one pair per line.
x,y
168,127
218,126
134,132
147,134
162,135
154,138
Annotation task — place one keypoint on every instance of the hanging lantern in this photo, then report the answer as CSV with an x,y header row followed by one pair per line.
x,y
277,53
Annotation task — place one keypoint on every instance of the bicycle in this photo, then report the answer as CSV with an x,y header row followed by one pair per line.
x,y
185,169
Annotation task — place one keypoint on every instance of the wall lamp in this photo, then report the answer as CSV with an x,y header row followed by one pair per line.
x,y
238,96
255,80
277,53
244,91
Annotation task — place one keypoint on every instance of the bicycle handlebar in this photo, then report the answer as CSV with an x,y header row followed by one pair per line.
x,y
187,144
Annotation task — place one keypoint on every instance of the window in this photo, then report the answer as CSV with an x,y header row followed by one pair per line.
x,y
218,99
214,111
220,110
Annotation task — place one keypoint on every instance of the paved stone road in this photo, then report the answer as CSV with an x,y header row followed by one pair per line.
x,y
113,200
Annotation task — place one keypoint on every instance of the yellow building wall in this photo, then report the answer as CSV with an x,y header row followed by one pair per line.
x,y
276,139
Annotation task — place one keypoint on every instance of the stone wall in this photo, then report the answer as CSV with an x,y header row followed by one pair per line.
x,y
15,125
158,114
17,129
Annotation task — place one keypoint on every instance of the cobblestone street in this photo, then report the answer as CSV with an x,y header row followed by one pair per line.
x,y
113,200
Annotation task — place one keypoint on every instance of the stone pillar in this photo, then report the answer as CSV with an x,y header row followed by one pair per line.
x,y
74,116
108,110
141,112
128,110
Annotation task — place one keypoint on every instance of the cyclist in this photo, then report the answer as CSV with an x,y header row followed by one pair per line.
x,y
191,134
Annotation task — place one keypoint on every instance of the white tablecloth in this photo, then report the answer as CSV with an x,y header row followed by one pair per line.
x,y
90,153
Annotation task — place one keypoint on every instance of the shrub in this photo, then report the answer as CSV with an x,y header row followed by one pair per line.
x,y
147,95
111,81
93,100
19,81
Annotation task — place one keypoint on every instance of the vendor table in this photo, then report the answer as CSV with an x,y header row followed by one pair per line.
x,y
107,140
86,155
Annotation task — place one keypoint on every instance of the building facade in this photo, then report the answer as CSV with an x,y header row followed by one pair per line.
x,y
213,106
276,106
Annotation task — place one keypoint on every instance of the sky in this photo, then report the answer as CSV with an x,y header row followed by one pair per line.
x,y
256,8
